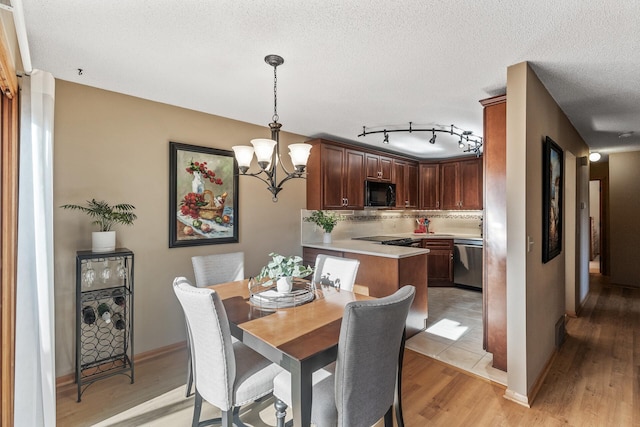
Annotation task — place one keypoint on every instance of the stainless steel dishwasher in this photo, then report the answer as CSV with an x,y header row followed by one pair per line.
x,y
467,262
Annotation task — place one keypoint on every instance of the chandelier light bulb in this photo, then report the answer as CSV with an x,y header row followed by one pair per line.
x,y
264,150
244,155
299,155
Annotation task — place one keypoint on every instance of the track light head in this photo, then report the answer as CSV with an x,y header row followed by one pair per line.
x,y
433,138
386,138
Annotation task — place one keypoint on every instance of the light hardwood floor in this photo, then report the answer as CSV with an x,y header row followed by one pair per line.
x,y
594,381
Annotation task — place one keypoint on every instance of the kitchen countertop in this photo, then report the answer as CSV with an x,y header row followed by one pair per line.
x,y
368,248
388,251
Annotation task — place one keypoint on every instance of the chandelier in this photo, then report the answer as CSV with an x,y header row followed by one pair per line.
x,y
267,151
468,142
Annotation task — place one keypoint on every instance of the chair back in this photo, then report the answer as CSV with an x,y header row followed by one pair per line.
x,y
218,268
336,271
210,340
366,368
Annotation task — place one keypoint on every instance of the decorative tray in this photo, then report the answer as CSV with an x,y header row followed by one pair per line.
x,y
265,295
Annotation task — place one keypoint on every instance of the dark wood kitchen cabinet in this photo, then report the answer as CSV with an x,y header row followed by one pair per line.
x,y
335,177
429,187
439,261
494,292
461,184
378,168
406,180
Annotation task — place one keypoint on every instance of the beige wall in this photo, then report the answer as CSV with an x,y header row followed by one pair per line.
x,y
536,291
116,147
624,205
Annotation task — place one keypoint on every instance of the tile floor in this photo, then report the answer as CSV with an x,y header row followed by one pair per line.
x,y
454,332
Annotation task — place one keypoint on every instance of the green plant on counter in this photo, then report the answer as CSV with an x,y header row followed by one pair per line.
x,y
325,220
281,266
106,215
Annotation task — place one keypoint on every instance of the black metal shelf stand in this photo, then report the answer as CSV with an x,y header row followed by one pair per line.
x,y
104,316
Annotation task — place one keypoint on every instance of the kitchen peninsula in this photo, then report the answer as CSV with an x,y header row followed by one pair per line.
x,y
383,269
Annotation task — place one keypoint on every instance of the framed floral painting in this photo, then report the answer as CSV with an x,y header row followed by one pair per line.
x,y
203,196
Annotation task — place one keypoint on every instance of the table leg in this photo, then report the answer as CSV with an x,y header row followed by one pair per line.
x,y
301,394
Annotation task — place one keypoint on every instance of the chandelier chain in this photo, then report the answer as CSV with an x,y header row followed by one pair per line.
x,y
275,95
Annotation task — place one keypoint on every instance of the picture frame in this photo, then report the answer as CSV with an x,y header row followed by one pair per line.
x,y
552,199
203,196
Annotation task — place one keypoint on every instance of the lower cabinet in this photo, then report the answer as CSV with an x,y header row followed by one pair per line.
x,y
383,276
439,261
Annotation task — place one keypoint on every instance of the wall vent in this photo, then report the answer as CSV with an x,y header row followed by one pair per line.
x,y
561,332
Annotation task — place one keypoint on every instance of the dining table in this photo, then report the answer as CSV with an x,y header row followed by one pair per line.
x,y
301,339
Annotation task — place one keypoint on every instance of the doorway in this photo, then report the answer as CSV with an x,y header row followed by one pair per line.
x,y
595,220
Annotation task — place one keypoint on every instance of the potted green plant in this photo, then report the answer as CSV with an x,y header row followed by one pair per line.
x,y
105,217
282,270
325,220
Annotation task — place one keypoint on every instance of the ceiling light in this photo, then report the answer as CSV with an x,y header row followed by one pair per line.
x,y
473,142
594,157
267,151
625,134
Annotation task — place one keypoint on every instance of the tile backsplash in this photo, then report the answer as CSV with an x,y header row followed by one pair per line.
x,y
372,222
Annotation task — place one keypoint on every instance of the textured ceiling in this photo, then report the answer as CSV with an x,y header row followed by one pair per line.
x,y
353,63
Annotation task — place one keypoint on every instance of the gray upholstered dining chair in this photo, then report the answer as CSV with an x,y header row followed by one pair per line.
x,y
218,268
336,271
227,375
360,389
212,270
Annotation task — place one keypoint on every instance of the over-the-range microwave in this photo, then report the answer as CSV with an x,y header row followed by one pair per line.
x,y
379,194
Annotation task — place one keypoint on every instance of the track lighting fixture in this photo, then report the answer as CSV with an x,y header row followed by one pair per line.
x,y
469,142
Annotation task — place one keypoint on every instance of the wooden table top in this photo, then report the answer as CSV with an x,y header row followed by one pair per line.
x,y
300,331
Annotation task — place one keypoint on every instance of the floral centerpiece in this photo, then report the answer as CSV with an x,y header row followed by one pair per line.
x,y
283,269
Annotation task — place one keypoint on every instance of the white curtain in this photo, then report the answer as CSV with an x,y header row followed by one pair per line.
x,y
35,380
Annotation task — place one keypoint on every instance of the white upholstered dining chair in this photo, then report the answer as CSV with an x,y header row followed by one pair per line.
x,y
360,388
227,375
212,270
335,271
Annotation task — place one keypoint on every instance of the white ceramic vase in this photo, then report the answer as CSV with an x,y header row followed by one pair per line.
x,y
103,241
326,238
284,284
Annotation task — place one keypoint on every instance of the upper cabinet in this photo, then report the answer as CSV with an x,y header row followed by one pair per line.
x,y
379,168
471,184
336,173
461,184
335,177
405,176
429,187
